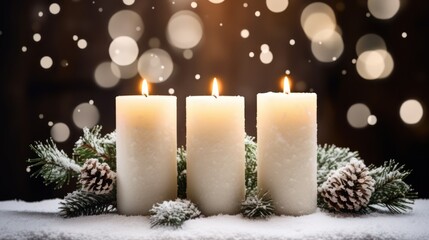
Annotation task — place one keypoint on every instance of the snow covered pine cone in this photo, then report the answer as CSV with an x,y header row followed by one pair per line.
x,y
96,177
348,188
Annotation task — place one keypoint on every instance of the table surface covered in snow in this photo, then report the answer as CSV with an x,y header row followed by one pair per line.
x,y
40,220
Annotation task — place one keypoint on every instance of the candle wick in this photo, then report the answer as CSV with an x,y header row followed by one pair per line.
x,y
215,96
145,94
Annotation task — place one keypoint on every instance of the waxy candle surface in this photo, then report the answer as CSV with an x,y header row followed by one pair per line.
x,y
287,150
215,153
146,152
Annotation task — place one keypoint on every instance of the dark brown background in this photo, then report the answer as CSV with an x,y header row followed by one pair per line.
x,y
28,90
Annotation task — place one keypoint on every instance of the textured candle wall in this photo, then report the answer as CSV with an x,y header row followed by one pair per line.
x,y
146,152
215,153
287,150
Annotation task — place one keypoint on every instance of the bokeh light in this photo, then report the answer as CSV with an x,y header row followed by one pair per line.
x,y
64,63
251,54
171,91
383,9
194,5
24,49
292,42
244,33
60,132
107,75
216,1
54,8
125,72
327,46
197,76
155,65
126,23
128,2
372,120
317,17
82,43
266,57
369,42
184,29
374,64
265,48
123,50
411,111
188,54
85,115
357,115
46,62
37,37
277,6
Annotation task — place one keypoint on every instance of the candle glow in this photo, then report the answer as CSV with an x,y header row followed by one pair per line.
x,y
215,88
286,85
145,88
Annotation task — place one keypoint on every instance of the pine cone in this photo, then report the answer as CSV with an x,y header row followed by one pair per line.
x,y
348,189
97,177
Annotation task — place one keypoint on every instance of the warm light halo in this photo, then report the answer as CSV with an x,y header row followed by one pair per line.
x,y
145,88
286,85
215,88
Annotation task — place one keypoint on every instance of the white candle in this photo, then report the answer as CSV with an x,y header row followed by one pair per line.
x,y
146,148
215,152
287,150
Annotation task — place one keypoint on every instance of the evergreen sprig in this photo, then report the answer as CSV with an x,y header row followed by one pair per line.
x,y
391,191
81,203
55,167
93,145
250,170
173,213
181,172
330,158
52,164
257,205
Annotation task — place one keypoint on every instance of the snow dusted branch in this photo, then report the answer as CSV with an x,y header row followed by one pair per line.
x,y
52,164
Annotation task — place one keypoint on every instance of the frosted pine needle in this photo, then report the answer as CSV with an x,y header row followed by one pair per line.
x,y
173,213
256,206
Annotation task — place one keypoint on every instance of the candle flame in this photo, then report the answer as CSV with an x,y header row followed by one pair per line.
x,y
286,85
215,89
145,88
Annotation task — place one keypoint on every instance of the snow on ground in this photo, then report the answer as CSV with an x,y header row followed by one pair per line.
x,y
39,220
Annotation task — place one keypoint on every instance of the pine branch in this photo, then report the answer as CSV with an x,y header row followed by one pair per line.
x,y
250,171
257,205
173,213
391,191
93,145
181,172
330,158
52,164
81,203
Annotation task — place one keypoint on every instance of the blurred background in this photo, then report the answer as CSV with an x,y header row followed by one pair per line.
x,y
64,62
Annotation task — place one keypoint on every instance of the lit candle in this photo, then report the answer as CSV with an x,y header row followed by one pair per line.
x,y
287,150
146,148
215,152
